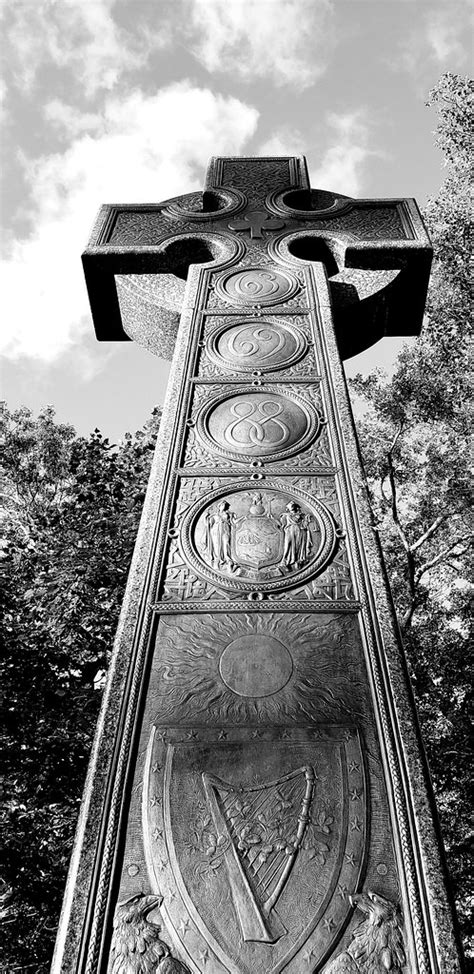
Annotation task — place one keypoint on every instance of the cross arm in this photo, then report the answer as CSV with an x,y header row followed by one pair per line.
x,y
377,255
160,239
129,240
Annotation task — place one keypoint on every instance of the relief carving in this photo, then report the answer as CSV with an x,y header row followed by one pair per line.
x,y
137,947
251,345
142,228
257,286
256,343
263,828
265,424
377,944
258,176
246,539
181,583
199,565
258,836
249,667
363,221
256,222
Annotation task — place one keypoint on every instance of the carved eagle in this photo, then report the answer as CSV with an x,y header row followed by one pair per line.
x,y
377,943
136,945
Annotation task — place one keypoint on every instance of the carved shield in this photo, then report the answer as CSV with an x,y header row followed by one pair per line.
x,y
256,840
257,542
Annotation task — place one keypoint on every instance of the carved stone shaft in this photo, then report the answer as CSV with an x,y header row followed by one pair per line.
x,y
258,800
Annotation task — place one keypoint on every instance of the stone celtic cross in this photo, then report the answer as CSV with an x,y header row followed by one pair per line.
x,y
258,800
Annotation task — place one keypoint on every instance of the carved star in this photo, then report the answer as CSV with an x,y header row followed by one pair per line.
x,y
155,800
257,734
354,767
328,923
356,824
204,956
192,736
350,858
184,927
161,864
341,890
157,834
161,736
355,795
171,895
222,736
285,735
308,956
348,735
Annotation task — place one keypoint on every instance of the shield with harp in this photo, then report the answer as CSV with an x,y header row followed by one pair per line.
x,y
265,825
255,838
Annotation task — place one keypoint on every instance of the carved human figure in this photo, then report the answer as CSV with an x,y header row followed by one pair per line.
x,y
298,541
218,535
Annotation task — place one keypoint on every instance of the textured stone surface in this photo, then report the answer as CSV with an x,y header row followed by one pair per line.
x,y
258,800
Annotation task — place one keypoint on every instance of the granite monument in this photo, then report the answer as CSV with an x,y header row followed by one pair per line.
x,y
258,800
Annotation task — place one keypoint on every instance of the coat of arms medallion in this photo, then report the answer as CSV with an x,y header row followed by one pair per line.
x,y
246,539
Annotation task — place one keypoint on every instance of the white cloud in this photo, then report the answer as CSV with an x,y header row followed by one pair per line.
x,y
288,41
78,35
347,140
440,41
343,162
139,149
285,141
444,35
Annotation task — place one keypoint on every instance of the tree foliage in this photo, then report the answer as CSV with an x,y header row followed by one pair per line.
x,y
415,442
70,514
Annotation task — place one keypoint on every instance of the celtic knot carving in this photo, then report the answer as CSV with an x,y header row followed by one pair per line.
x,y
249,423
257,285
251,344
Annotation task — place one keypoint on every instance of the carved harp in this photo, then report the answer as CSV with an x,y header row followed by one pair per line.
x,y
262,828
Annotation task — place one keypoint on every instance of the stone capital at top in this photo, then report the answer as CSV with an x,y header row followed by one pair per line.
x,y
376,253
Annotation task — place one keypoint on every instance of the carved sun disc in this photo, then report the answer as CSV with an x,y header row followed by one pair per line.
x,y
255,665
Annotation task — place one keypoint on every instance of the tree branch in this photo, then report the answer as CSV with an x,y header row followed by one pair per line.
x,y
429,532
439,557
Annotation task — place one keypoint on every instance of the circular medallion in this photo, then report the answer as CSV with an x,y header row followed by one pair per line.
x,y
251,345
270,539
257,285
255,665
264,424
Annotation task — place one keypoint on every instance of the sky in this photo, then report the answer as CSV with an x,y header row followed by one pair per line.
x,y
124,101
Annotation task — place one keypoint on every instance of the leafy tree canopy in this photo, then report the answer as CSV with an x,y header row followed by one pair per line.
x,y
70,511
415,442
